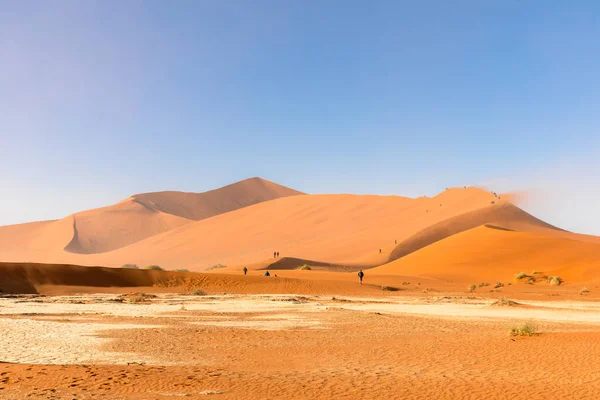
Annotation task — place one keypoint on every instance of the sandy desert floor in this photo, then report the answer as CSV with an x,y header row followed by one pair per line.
x,y
277,346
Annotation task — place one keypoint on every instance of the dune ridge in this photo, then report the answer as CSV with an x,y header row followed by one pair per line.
x,y
129,221
490,254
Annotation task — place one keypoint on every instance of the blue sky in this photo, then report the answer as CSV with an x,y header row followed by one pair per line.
x,y
103,99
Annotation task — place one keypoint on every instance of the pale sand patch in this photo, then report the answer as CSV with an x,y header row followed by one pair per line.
x,y
45,342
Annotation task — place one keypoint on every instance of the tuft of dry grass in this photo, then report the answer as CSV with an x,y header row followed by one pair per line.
x,y
305,267
199,292
471,288
504,302
555,280
520,276
498,285
584,291
527,329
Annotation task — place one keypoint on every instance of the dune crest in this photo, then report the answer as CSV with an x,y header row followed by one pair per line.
x,y
131,220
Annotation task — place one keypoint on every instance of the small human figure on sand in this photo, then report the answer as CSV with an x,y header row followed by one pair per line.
x,y
360,276
379,251
245,270
277,254
274,254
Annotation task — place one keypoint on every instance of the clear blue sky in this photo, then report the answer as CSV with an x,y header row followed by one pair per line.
x,y
103,99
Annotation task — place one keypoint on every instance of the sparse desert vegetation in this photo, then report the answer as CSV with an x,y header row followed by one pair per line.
x,y
584,291
130,266
527,329
182,270
520,276
198,292
471,288
154,268
498,285
216,266
555,280
483,284
305,267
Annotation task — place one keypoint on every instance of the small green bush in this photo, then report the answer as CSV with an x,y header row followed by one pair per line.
x,y
471,288
154,268
498,285
198,292
305,267
130,266
182,270
405,283
523,330
520,276
482,284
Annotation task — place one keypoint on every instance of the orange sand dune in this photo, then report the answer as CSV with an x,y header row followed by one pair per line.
x,y
345,230
506,216
490,254
129,221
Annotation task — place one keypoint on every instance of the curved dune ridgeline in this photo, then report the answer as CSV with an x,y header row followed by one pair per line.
x,y
505,216
490,254
129,221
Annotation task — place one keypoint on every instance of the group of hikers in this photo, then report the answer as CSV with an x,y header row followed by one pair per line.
x,y
361,274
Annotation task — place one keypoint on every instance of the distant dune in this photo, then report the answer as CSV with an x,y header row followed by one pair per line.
x,y
129,221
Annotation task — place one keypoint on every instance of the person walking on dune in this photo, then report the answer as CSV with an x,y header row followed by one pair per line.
x,y
277,254
274,254
360,276
245,270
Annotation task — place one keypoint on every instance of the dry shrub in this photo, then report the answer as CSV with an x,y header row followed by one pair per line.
x,y
471,288
527,329
555,280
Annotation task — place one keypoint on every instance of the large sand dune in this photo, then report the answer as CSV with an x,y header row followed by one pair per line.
x,y
491,253
129,221
337,229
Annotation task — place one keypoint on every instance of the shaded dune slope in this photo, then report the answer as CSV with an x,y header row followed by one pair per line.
x,y
487,254
56,279
198,206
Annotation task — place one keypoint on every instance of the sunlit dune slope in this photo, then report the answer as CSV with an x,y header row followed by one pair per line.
x,y
490,254
129,221
337,229
506,215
